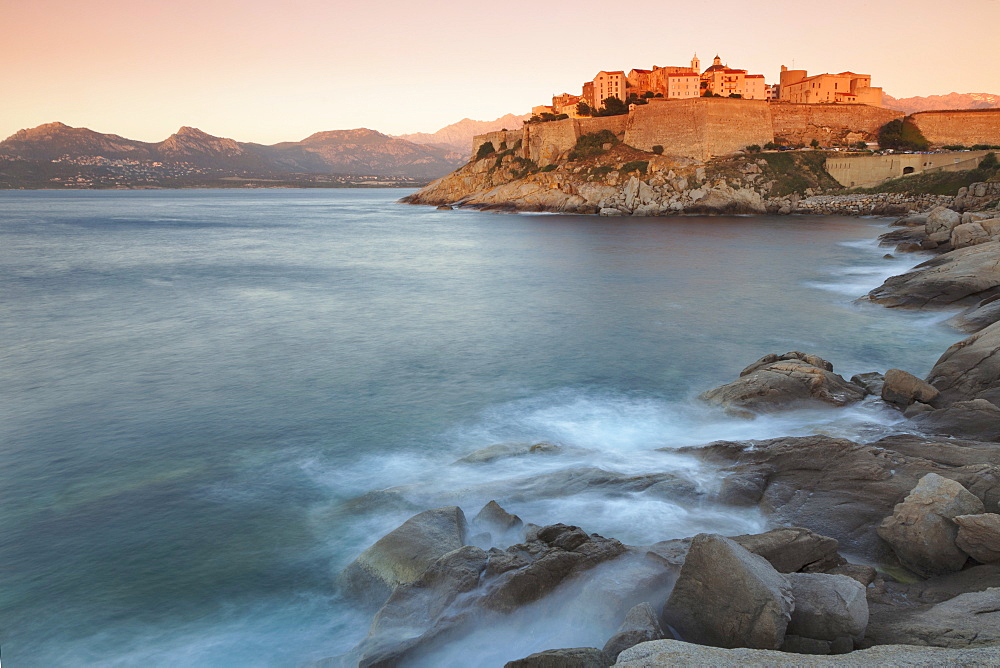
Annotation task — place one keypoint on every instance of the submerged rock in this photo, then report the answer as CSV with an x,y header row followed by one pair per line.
x,y
641,625
401,556
504,450
922,530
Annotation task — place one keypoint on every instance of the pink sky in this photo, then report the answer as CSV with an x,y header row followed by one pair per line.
x,y
279,71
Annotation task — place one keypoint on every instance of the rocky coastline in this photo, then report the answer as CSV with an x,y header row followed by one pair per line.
x,y
885,552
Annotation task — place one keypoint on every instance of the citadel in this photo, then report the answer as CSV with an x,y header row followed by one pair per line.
x,y
640,86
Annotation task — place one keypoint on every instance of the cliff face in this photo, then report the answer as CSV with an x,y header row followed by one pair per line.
x,y
621,180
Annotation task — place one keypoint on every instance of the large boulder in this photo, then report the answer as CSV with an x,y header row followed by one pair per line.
x,y
967,620
901,388
941,221
792,549
979,536
978,316
495,519
957,278
776,382
977,418
831,608
418,612
922,530
640,625
726,596
401,556
677,653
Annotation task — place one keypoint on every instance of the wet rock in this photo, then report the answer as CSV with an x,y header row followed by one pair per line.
x,y
420,611
793,549
727,596
401,556
577,657
863,574
959,277
828,607
505,450
970,369
979,536
967,620
921,529
494,518
978,316
978,419
902,389
870,382
776,382
640,625
842,489
528,571
677,653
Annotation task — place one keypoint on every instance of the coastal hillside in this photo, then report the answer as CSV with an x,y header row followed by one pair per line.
x,y
55,154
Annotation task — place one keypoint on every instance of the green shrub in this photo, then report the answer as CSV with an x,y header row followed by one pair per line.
x,y
485,149
984,147
658,150
814,143
601,170
753,148
592,144
954,147
612,107
861,145
989,161
771,146
583,109
547,168
636,165
902,135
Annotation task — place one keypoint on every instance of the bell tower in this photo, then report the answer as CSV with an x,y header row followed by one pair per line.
x,y
695,64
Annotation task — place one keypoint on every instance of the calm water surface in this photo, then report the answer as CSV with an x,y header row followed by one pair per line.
x,y
194,382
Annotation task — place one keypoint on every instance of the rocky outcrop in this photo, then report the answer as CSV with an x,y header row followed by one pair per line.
x,y
967,620
902,389
958,278
842,489
968,378
727,596
922,529
776,382
402,556
979,536
677,653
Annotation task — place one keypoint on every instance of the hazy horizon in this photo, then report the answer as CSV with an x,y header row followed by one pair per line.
x,y
258,72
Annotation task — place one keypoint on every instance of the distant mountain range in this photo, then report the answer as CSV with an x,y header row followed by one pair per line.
x,y
458,136
911,105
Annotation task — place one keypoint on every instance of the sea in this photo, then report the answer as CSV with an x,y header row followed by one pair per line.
x,y
198,386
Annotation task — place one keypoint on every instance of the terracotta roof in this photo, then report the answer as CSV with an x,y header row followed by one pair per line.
x,y
755,76
643,71
683,74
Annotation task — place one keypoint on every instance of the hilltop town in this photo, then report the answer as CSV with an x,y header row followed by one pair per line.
x,y
614,92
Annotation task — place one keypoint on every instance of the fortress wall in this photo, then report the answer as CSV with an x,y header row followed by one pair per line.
x,y
732,125
545,142
497,137
699,128
829,123
968,127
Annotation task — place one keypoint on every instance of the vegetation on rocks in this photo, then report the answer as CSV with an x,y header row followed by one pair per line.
x,y
592,144
902,135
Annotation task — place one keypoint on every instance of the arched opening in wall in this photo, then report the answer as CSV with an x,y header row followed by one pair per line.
x,y
907,170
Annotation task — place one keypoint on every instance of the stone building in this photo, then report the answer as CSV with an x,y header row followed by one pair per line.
x,y
844,88
726,81
608,84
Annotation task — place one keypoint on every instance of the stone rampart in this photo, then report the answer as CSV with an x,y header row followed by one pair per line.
x,y
699,128
968,127
498,137
828,123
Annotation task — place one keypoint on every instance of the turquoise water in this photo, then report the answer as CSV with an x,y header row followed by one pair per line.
x,y
195,382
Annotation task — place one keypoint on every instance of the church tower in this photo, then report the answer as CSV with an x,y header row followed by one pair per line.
x,y
717,61
696,64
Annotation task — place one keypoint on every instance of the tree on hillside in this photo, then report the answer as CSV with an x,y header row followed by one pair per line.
x,y
902,135
485,149
612,107
583,109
